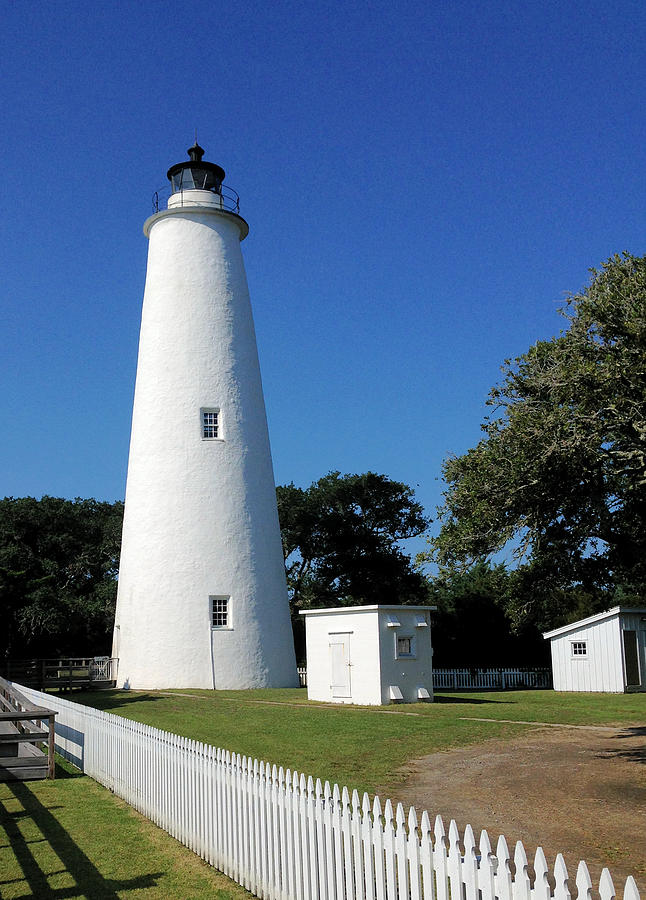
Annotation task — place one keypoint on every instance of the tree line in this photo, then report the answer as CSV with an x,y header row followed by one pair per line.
x,y
341,538
557,483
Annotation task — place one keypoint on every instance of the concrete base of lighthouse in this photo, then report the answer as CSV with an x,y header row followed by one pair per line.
x,y
201,531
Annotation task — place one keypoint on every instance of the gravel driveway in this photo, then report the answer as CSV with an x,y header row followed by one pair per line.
x,y
579,791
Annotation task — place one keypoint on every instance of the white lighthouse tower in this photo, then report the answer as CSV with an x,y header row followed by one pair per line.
x,y
202,599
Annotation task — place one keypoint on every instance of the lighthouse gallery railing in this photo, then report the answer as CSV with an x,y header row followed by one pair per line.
x,y
229,197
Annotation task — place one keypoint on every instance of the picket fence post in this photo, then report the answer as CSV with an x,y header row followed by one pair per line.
x,y
486,873
378,849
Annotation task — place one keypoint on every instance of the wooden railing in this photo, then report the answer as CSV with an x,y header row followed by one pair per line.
x,y
62,672
474,679
23,727
491,679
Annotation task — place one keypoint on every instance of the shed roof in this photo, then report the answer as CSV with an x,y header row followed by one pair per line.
x,y
592,620
355,609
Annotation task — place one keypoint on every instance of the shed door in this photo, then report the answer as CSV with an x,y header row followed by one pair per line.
x,y
340,665
631,658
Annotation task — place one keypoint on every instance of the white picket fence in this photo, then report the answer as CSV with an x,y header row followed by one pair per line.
x,y
466,679
286,837
491,679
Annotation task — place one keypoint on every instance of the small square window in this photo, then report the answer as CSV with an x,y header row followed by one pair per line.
x,y
579,648
405,646
211,424
220,612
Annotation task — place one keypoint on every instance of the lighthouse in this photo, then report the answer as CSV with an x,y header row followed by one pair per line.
x,y
202,598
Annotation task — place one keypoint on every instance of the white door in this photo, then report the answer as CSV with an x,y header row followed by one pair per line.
x,y
340,665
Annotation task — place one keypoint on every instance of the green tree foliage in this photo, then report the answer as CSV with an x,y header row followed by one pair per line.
x,y
58,568
340,540
560,476
471,626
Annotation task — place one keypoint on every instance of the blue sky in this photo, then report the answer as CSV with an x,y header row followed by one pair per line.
x,y
424,183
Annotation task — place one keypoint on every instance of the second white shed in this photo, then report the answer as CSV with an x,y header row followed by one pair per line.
x,y
605,652
369,655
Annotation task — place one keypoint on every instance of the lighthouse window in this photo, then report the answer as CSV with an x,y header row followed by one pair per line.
x,y
220,612
211,426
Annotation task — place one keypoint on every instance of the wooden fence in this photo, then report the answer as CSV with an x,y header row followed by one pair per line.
x,y
473,679
24,727
62,673
287,837
466,679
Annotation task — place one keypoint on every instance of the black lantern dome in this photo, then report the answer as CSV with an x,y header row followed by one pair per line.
x,y
196,175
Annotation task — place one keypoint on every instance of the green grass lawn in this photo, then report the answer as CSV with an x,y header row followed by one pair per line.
x,y
71,838
362,747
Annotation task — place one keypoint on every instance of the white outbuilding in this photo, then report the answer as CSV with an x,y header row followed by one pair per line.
x,y
606,652
369,655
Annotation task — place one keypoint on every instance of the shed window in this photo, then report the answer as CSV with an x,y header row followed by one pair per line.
x,y
579,648
405,646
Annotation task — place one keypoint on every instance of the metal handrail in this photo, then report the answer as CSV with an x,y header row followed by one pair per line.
x,y
230,198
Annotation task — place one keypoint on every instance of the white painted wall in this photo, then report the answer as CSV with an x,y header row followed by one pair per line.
x,y
374,666
408,674
200,516
603,668
362,626
600,670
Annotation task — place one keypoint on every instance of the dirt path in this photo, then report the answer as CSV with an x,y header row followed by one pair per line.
x,y
578,791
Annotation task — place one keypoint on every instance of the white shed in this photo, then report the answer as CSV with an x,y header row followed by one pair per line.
x,y
369,655
606,652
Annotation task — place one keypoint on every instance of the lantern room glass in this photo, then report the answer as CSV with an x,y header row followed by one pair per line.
x,y
195,178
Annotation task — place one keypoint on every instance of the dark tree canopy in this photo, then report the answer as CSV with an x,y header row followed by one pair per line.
x,y
560,475
471,626
58,568
340,540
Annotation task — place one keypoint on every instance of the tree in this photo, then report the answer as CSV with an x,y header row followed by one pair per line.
x,y
340,540
471,626
560,476
58,569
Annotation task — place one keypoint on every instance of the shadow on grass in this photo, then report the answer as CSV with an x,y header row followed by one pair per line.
x,y
449,698
65,769
88,880
114,699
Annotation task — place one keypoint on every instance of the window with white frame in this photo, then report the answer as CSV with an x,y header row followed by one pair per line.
x,y
579,649
211,424
220,612
405,646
